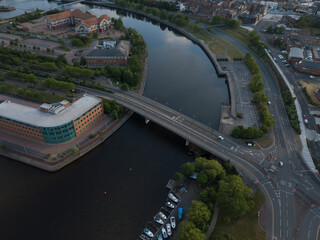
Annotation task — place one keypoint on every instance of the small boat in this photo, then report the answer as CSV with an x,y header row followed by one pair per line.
x,y
169,205
168,229
148,232
159,236
180,212
162,215
158,220
173,197
144,237
173,222
164,232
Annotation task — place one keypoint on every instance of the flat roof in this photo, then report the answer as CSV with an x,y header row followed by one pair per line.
x,y
310,64
35,117
296,53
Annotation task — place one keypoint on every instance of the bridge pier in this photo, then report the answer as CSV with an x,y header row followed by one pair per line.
x,y
187,143
146,120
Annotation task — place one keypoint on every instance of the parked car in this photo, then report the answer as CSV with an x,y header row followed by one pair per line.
x,y
281,164
220,137
269,103
305,119
312,77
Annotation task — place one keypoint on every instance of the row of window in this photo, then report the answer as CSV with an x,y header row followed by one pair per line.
x,y
19,126
15,131
94,64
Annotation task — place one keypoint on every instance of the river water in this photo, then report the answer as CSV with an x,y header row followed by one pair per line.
x,y
132,167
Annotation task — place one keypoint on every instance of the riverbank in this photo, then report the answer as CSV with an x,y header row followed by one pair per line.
x,y
212,57
52,162
7,9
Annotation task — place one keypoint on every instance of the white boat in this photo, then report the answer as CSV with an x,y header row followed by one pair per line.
x,y
159,236
162,215
148,232
158,220
164,232
173,222
168,229
173,197
144,237
169,205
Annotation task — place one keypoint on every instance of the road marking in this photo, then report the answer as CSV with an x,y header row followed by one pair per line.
x,y
262,161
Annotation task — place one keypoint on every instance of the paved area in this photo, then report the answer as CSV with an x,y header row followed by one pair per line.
x,y
243,96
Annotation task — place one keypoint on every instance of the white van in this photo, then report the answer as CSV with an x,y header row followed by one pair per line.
x,y
220,137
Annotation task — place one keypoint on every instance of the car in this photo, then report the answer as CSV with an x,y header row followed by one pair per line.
x,y
281,164
275,59
305,119
312,77
287,65
169,205
269,103
249,144
173,197
220,137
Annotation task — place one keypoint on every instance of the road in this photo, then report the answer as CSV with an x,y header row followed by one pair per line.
x,y
294,175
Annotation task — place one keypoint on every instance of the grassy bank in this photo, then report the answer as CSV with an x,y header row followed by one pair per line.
x,y
247,227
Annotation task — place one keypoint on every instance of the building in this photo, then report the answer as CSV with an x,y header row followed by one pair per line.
x,y
108,52
305,40
52,123
309,67
295,54
249,18
85,24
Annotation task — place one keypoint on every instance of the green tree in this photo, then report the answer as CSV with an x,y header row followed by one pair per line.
x,y
187,169
234,197
188,231
107,107
163,14
217,19
199,214
95,35
221,236
114,114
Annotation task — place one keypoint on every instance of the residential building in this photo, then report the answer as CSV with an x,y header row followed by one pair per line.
x,y
85,24
107,52
52,123
249,18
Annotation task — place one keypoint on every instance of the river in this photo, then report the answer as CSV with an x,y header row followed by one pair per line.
x,y
132,167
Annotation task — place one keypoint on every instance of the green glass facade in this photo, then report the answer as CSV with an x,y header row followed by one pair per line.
x,y
59,134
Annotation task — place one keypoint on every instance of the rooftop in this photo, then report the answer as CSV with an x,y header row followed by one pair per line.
x,y
35,117
121,50
310,64
68,13
296,53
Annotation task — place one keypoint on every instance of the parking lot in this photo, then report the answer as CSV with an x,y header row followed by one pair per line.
x,y
242,75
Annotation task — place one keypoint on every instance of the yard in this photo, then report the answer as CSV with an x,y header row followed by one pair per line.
x,y
247,227
310,88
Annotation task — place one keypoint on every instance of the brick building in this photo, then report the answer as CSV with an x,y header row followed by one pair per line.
x,y
309,67
108,52
85,24
52,123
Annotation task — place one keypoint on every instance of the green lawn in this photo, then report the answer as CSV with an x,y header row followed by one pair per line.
x,y
232,51
264,141
247,227
217,48
240,34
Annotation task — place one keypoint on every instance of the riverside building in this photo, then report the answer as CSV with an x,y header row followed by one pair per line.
x,y
52,123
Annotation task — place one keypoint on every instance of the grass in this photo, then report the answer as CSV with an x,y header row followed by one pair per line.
x,y
232,51
200,35
240,34
217,48
264,141
308,89
247,227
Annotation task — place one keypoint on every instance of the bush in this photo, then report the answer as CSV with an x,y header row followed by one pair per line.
x,y
239,115
245,133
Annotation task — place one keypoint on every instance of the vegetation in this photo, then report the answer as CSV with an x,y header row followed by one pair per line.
x,y
245,133
256,44
74,150
221,236
291,110
277,30
78,72
199,214
308,21
81,41
31,94
51,82
246,227
112,108
179,19
232,23
188,231
26,17
144,4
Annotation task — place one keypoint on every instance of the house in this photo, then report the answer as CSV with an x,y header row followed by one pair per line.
x,y
295,54
106,52
249,18
85,24
309,67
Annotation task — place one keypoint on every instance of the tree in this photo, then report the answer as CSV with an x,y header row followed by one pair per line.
x,y
178,177
163,14
221,236
95,35
74,150
107,107
187,169
208,196
234,197
199,214
188,231
217,19
232,23
114,114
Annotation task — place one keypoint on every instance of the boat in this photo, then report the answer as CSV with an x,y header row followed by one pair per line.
x,y
169,205
158,220
168,229
180,213
144,237
159,236
173,222
148,232
173,197
162,215
164,232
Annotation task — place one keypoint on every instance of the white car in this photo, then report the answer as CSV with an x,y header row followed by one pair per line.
x,y
162,215
281,164
169,205
148,232
220,137
312,77
173,197
168,229
173,222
